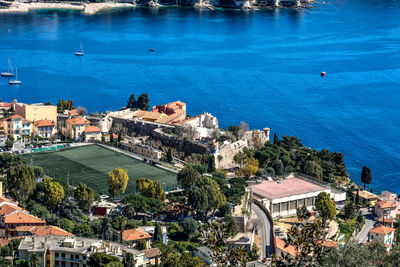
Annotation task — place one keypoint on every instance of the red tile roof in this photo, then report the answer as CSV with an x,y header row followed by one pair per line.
x,y
135,234
14,117
5,105
5,241
44,123
92,129
4,199
43,230
384,204
73,112
382,230
22,217
77,121
281,244
6,209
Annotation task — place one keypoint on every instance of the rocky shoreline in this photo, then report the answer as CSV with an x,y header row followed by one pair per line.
x,y
93,8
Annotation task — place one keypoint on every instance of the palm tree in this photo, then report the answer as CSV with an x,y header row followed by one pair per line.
x,y
35,259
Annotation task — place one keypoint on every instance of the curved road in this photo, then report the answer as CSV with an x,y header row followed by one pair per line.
x,y
267,248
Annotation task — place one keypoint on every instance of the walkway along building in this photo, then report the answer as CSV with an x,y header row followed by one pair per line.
x,y
283,197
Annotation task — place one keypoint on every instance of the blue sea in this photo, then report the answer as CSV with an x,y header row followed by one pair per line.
x,y
260,66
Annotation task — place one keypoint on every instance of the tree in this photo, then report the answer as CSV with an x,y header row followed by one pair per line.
x,y
53,192
84,230
235,131
84,195
48,103
276,139
117,181
81,111
366,176
67,224
277,166
21,182
64,105
128,211
101,259
306,238
313,169
129,260
349,210
143,102
158,235
187,177
325,206
215,239
10,142
150,188
170,158
131,102
35,259
303,213
206,196
250,169
190,227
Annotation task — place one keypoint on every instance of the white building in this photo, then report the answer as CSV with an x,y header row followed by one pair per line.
x,y
282,198
74,251
383,234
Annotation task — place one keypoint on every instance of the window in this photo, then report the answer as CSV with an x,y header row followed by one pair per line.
x,y
63,255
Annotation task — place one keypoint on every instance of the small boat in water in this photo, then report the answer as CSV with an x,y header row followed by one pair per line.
x,y
323,73
151,50
8,73
80,54
16,81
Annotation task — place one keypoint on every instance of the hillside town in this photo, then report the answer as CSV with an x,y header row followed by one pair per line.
x,y
236,197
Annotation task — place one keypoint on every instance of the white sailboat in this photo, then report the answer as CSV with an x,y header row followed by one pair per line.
x,y
16,81
8,73
80,54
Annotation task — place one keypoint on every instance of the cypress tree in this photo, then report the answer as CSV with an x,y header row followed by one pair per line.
x,y
366,176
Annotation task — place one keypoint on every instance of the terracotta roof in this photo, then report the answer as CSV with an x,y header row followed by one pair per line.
x,y
5,241
6,209
92,129
281,244
152,253
382,230
386,220
135,234
4,199
5,105
384,204
73,112
43,230
330,243
26,121
148,115
22,217
77,121
14,117
44,123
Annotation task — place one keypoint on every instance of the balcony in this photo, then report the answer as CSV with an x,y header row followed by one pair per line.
x,y
67,259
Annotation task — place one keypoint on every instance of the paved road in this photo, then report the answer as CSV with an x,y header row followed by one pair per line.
x,y
266,232
362,236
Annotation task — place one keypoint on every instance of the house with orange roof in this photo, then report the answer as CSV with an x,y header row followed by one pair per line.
x,y
75,128
176,111
44,128
383,234
17,218
134,236
385,208
41,230
16,126
92,133
8,208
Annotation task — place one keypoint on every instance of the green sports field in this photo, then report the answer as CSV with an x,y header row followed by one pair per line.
x,y
91,164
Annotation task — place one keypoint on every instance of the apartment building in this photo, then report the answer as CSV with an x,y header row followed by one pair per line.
x,y
59,251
